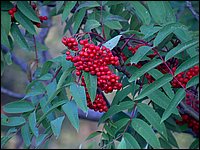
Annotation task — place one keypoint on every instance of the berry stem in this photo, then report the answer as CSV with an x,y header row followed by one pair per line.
x,y
36,54
128,39
101,22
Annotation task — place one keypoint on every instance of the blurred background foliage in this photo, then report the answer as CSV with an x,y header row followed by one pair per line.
x,y
14,79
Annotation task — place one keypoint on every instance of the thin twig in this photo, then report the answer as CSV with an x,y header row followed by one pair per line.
x,y
36,53
11,93
190,111
195,14
127,41
101,22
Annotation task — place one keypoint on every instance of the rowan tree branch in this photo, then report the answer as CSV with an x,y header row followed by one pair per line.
x,y
187,109
11,93
195,14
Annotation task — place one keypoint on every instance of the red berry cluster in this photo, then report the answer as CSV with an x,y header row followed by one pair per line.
x,y
192,101
12,12
184,77
134,49
71,43
190,121
99,103
42,18
96,61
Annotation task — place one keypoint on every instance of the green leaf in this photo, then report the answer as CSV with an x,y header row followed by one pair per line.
x,y
113,25
170,17
120,123
88,4
112,42
187,64
39,139
45,68
51,109
195,144
59,4
71,110
140,53
47,76
26,135
18,107
91,84
27,10
167,87
143,129
111,17
4,37
115,109
13,121
180,94
78,92
18,37
132,32
160,99
6,5
193,81
122,144
5,21
149,30
145,68
79,18
8,58
131,143
120,95
25,22
164,144
155,9
178,49
141,12
154,86
50,88
56,126
91,24
152,117
63,77
172,139
32,124
92,135
68,7
164,32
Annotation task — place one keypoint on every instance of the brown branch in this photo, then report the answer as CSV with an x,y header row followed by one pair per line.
x,y
190,111
11,93
101,22
195,14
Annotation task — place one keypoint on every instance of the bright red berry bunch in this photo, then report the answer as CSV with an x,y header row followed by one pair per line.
x,y
134,49
12,11
192,101
42,18
99,103
190,121
184,77
95,60
71,43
